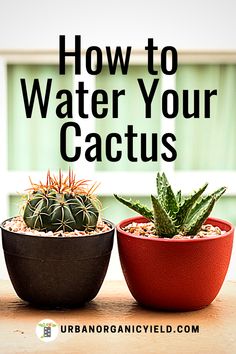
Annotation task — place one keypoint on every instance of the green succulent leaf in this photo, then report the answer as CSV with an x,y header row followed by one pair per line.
x,y
163,222
187,205
166,195
194,225
169,202
161,187
174,213
178,197
159,183
219,192
136,206
203,201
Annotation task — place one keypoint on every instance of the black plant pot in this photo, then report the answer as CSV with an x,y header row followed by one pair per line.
x,y
57,271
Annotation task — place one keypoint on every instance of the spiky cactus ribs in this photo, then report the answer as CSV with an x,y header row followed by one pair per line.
x,y
62,203
174,214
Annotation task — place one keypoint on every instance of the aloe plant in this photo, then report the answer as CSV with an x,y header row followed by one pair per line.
x,y
62,203
174,214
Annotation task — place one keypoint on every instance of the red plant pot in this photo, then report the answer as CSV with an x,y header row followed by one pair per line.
x,y
179,275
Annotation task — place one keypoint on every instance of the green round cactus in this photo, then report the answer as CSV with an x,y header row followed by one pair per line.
x,y
61,204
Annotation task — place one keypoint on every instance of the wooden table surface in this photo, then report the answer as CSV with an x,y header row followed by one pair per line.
x,y
115,306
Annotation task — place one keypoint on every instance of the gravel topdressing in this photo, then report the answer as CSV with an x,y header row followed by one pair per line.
x,y
147,229
18,225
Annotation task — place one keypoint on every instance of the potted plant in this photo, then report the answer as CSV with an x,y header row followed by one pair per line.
x,y
58,252
173,256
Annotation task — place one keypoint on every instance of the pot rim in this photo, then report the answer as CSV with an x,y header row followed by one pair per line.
x,y
150,239
61,238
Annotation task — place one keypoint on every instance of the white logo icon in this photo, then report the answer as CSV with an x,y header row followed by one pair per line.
x,y
47,330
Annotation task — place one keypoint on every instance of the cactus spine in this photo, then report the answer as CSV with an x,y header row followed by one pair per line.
x,y
63,203
173,214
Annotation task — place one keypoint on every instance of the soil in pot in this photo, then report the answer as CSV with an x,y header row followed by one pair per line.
x,y
147,229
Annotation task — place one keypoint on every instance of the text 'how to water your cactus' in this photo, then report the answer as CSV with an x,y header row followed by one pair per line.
x,y
187,104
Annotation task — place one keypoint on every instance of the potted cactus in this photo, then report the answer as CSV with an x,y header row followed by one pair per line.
x,y
174,256
57,252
